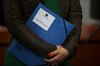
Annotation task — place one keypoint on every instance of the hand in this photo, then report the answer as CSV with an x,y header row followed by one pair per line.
x,y
58,56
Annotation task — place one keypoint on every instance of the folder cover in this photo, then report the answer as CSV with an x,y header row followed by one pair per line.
x,y
49,26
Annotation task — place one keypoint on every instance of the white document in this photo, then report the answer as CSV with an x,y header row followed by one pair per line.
x,y
43,19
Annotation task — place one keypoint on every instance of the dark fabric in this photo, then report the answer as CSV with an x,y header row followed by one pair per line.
x,y
16,16
11,60
71,11
18,11
2,22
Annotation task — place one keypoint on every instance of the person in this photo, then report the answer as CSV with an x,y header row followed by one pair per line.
x,y
16,14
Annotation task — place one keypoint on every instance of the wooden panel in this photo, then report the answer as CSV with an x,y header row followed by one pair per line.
x,y
87,30
96,35
2,54
5,37
87,55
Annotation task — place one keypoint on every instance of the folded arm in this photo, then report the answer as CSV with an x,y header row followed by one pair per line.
x,y
15,21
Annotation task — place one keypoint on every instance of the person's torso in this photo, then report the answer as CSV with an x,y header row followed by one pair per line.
x,y
28,7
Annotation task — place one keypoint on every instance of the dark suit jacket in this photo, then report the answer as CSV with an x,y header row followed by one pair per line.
x,y
17,13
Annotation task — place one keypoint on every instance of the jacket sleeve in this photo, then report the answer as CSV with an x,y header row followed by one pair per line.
x,y
15,20
75,17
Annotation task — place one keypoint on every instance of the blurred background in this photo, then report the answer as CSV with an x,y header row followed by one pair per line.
x,y
88,53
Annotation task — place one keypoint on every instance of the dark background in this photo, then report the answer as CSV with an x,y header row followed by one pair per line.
x,y
1,14
95,9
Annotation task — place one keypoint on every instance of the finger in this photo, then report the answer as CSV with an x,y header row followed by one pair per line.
x,y
45,59
59,46
53,53
54,59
